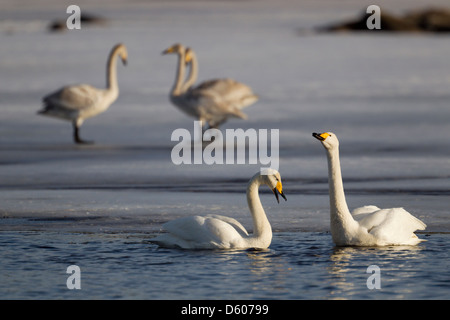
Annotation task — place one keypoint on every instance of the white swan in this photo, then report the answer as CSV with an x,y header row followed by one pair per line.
x,y
232,92
369,225
205,104
219,232
79,102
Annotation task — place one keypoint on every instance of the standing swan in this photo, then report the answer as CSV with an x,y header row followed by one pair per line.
x,y
233,92
209,105
369,225
219,232
79,102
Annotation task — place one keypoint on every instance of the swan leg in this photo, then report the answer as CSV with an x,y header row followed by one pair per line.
x,y
76,136
204,125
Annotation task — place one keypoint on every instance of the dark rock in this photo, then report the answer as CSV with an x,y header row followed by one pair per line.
x,y
85,18
427,20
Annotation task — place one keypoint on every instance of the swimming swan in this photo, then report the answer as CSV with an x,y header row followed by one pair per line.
x,y
209,105
219,232
79,102
369,225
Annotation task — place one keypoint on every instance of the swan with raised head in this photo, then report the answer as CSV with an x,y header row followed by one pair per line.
x,y
77,103
208,105
220,232
365,226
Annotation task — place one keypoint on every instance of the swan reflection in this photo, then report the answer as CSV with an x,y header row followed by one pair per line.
x,y
347,271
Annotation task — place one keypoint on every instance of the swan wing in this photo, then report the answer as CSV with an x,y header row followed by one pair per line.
x,y
211,106
74,98
230,91
362,212
200,232
233,222
393,226
189,229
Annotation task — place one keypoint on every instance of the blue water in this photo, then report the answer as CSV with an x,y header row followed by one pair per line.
x,y
298,265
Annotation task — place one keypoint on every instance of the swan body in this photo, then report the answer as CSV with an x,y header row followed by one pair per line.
x,y
232,92
368,225
220,232
77,103
212,102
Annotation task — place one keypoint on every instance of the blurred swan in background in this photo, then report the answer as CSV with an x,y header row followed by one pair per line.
x,y
368,225
79,102
220,232
233,92
212,102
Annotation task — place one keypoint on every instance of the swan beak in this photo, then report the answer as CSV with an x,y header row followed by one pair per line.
x,y
168,50
279,190
321,136
188,57
124,61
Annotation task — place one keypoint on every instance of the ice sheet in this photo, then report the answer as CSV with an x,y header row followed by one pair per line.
x,y
386,96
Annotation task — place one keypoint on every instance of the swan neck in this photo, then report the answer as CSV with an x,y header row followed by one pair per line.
x,y
193,73
338,204
178,84
111,72
261,225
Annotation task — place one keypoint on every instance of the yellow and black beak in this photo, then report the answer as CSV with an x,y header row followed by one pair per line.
x,y
321,136
168,50
279,190
188,56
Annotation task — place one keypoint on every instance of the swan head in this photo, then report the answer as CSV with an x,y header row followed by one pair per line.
x,y
188,55
121,50
328,139
176,48
272,178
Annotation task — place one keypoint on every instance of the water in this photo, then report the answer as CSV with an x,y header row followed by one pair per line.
x,y
97,206
298,265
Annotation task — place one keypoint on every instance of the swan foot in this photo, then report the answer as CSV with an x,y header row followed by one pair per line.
x,y
80,141
76,136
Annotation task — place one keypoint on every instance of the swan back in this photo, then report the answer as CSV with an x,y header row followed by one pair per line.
x,y
231,92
